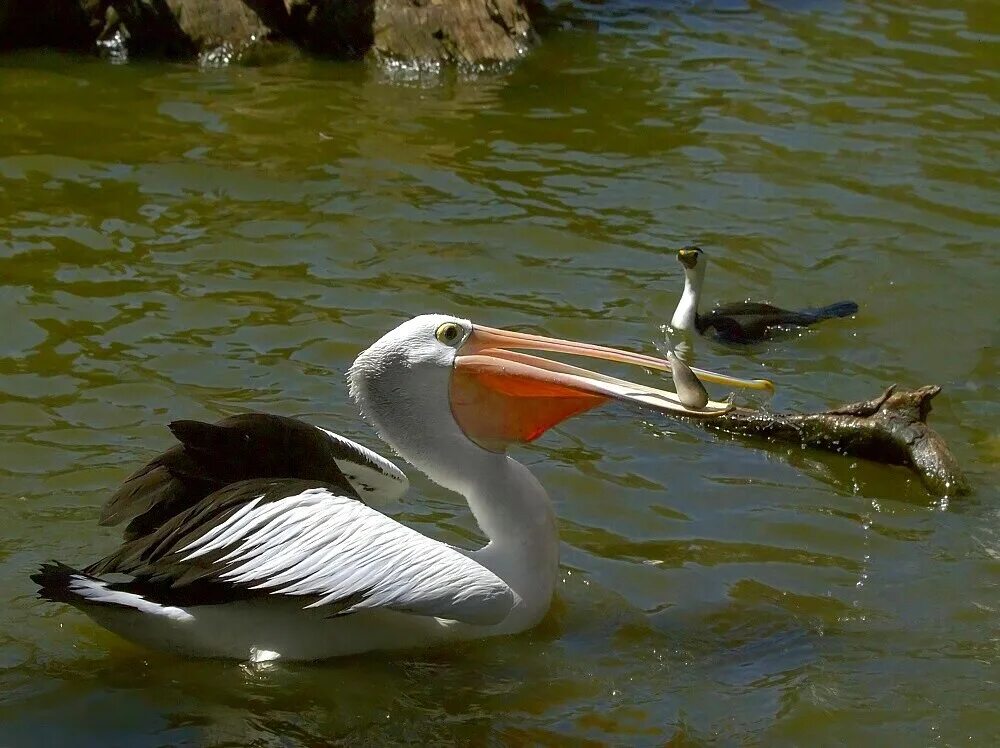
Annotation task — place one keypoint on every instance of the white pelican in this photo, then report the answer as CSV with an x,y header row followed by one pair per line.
x,y
254,535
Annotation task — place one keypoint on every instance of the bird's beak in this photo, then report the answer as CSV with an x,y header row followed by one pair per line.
x,y
688,257
501,396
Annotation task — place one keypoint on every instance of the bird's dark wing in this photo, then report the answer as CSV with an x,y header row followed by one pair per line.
x,y
750,308
753,321
243,447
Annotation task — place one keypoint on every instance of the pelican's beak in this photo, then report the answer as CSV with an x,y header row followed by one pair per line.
x,y
500,396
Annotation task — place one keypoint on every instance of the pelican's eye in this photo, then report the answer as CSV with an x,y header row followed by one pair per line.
x,y
449,333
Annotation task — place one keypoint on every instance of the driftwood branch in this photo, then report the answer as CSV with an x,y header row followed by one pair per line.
x,y
891,428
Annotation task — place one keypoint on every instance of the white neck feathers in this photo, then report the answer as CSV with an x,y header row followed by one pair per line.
x,y
410,412
406,399
686,313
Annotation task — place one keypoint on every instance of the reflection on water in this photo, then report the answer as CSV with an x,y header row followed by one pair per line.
x,y
185,243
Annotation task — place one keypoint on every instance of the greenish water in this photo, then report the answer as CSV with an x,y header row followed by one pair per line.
x,y
184,243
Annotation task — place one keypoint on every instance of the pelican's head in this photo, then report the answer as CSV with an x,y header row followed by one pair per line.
x,y
445,376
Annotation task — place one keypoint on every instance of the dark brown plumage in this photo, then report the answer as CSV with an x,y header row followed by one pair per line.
x,y
212,456
753,321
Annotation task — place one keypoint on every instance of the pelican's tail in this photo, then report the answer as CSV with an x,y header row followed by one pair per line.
x,y
60,583
64,584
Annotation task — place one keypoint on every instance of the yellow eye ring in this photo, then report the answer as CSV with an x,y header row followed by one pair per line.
x,y
449,333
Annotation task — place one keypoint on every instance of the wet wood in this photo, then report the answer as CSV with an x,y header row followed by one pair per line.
x,y
891,428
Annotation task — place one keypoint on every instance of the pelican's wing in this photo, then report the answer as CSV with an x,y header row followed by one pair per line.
x,y
251,445
304,540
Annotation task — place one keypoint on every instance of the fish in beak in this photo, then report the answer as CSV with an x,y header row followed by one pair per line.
x,y
501,395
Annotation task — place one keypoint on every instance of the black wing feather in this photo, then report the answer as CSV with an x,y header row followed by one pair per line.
x,y
159,573
753,321
212,456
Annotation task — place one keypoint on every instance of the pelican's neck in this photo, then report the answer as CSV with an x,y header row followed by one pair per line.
x,y
686,314
514,511
507,501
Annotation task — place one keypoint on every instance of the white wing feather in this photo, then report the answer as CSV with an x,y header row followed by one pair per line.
x,y
320,544
374,478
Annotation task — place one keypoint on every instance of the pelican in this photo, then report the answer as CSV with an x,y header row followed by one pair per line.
x,y
258,537
740,322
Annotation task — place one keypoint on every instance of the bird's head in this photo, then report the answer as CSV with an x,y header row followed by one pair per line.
x,y
447,377
691,257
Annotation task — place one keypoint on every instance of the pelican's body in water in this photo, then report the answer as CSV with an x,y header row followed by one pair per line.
x,y
257,535
740,322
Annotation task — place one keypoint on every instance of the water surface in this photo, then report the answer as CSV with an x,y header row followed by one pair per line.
x,y
185,243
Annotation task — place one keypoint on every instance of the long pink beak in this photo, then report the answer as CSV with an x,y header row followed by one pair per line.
x,y
501,396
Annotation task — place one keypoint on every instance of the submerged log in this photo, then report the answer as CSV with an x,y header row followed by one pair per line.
x,y
891,428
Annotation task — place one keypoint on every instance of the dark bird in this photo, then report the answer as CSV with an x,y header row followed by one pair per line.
x,y
744,321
